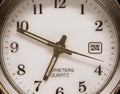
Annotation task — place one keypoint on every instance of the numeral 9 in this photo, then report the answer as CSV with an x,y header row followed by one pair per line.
x,y
14,47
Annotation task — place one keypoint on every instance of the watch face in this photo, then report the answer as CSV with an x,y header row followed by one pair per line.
x,y
59,47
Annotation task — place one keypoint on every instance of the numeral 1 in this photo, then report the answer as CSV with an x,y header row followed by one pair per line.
x,y
82,9
35,9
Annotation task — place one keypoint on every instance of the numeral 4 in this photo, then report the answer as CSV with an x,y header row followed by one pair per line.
x,y
98,70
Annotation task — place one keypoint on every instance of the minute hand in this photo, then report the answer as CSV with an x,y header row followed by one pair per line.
x,y
74,52
35,37
64,50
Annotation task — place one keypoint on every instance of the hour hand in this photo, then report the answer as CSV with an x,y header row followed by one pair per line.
x,y
51,65
34,36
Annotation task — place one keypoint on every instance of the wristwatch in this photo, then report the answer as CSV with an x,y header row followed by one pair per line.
x,y
59,46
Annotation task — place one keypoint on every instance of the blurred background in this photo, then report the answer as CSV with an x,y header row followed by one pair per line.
x,y
118,1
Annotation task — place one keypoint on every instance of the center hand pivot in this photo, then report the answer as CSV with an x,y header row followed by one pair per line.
x,y
55,56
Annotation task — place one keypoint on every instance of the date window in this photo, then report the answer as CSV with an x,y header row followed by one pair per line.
x,y
95,47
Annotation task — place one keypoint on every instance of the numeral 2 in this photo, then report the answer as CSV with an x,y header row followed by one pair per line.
x,y
99,25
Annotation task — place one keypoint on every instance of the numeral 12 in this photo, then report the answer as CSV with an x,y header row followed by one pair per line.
x,y
60,4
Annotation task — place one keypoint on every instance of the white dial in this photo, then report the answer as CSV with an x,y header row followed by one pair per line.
x,y
78,34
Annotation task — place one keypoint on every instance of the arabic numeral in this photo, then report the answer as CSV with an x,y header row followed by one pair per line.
x,y
82,87
60,90
99,25
14,47
82,9
38,85
21,69
60,4
98,70
23,25
36,9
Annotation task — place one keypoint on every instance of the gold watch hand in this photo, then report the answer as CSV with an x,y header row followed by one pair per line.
x,y
74,52
64,50
51,65
39,39
56,54
33,36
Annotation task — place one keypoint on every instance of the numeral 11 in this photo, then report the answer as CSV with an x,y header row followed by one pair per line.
x,y
37,10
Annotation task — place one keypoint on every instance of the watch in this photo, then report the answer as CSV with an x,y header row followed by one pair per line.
x,y
59,47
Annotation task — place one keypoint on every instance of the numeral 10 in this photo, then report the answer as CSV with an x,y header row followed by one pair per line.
x,y
23,25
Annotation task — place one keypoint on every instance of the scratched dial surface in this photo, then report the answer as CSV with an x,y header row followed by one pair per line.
x,y
88,29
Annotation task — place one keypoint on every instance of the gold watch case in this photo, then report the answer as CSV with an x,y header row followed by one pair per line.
x,y
111,6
